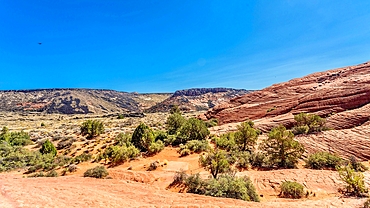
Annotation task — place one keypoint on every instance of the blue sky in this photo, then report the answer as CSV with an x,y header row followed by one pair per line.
x,y
163,46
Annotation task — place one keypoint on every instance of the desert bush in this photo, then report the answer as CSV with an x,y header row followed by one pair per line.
x,y
97,172
356,165
246,136
300,129
15,138
48,148
123,139
82,158
192,146
215,162
322,160
226,141
120,116
243,160
354,181
195,184
192,129
184,152
92,128
313,122
65,143
281,148
258,160
15,157
179,178
143,137
211,123
290,189
174,123
232,187
51,173
160,136
156,147
119,154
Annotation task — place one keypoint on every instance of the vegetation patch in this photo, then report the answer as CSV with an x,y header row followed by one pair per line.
x,y
290,189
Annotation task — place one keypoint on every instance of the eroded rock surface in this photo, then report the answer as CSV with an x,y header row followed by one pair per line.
x,y
341,94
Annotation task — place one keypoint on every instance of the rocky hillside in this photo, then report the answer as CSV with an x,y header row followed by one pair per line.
x,y
197,99
342,95
76,101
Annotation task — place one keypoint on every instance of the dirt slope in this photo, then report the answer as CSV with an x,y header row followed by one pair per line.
x,y
325,93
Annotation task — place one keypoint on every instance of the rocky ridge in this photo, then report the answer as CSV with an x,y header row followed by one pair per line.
x,y
197,99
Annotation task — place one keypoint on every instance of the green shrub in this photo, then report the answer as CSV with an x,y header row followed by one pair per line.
x,y
224,186
160,136
174,123
226,141
97,172
281,148
156,147
92,128
192,129
292,190
183,151
82,158
42,124
195,184
52,173
232,187
354,181
243,160
258,160
123,139
143,137
211,123
322,160
246,136
356,165
192,146
300,129
48,148
15,138
313,122
119,154
215,162
120,116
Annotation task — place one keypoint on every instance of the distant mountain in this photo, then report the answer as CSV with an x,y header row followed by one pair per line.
x,y
197,99
76,101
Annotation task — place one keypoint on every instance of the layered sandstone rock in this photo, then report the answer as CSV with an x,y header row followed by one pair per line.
x,y
341,94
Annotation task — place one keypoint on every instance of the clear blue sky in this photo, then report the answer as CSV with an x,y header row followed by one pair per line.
x,y
163,46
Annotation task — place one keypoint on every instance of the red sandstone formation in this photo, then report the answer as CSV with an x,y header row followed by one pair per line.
x,y
342,95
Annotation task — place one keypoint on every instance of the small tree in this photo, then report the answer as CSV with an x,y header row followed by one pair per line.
x,y
246,136
355,184
48,148
192,129
92,128
215,162
143,137
281,148
174,123
308,123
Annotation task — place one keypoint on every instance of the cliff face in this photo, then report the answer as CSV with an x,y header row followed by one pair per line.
x,y
341,94
67,101
197,99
